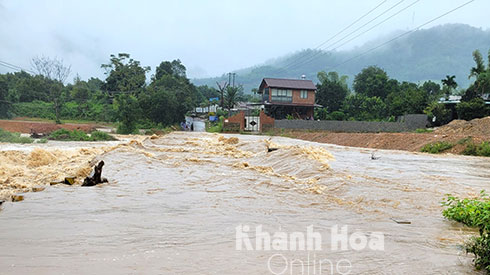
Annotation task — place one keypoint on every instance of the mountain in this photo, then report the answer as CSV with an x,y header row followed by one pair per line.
x,y
427,54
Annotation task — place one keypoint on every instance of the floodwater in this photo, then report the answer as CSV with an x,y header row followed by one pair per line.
x,y
173,206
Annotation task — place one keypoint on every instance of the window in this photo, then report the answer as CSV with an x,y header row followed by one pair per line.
x,y
281,95
265,96
304,94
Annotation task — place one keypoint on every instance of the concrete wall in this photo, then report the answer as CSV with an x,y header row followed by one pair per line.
x,y
408,123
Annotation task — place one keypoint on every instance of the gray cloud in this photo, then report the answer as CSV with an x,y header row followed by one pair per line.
x,y
210,37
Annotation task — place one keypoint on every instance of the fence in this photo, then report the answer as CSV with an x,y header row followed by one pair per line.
x,y
407,123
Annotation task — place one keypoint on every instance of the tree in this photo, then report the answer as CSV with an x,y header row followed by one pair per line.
x,y
174,68
449,84
171,77
432,89
474,108
127,113
232,96
480,66
331,91
410,99
4,103
372,81
481,85
124,74
160,107
53,69
361,107
438,113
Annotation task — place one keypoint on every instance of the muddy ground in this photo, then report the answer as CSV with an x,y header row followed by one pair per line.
x,y
394,141
28,127
456,131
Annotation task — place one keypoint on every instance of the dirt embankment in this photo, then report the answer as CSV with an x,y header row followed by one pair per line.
x,y
28,127
457,130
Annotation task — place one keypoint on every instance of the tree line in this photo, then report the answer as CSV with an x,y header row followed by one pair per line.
x,y
376,96
126,95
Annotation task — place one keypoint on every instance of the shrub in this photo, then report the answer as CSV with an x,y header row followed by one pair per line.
x,y
101,136
9,137
67,135
482,150
474,213
337,115
216,127
438,147
77,135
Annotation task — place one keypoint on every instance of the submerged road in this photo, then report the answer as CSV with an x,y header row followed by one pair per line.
x,y
175,205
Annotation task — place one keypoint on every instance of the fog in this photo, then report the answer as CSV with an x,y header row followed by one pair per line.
x,y
209,37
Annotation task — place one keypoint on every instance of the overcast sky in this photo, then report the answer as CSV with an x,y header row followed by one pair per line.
x,y
211,37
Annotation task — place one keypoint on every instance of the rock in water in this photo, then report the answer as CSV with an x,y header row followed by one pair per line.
x,y
96,176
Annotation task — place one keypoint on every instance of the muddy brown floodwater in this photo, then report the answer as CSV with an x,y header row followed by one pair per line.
x,y
174,205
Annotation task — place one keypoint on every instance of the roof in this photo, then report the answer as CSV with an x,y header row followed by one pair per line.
x,y
297,84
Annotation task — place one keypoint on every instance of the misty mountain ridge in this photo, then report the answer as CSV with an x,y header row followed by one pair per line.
x,y
426,54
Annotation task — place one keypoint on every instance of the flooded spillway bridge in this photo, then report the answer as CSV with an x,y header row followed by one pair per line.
x,y
174,205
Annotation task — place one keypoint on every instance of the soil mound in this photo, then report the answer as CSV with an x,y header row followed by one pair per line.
x,y
475,127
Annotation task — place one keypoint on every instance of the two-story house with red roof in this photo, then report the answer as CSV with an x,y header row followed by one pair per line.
x,y
282,97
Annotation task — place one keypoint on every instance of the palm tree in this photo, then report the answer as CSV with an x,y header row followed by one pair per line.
x,y
232,96
480,66
450,82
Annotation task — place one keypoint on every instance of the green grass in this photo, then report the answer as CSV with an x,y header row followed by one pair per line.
x,y
473,213
9,137
215,127
437,147
76,135
43,140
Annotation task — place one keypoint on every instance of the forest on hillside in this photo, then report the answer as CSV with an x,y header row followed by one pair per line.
x,y
427,54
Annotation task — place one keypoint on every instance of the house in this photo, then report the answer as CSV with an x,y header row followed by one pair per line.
x,y
282,97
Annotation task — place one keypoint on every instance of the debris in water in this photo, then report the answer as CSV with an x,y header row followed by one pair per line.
x,y
69,180
38,188
269,148
16,198
401,221
96,176
373,156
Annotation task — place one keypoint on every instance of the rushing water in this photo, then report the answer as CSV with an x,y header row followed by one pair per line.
x,y
173,206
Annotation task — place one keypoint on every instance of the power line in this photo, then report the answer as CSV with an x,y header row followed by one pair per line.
x,y
316,53
344,29
378,24
357,36
15,67
403,34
